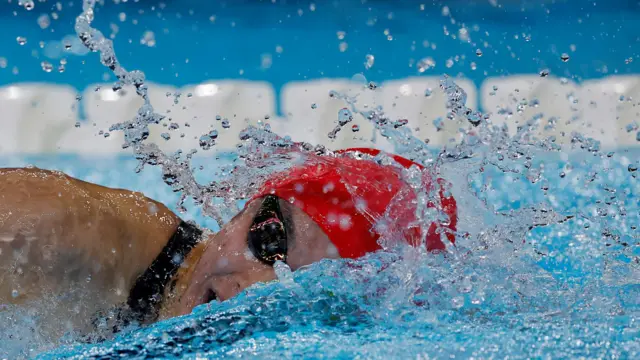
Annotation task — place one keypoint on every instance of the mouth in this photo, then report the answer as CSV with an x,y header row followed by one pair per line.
x,y
209,296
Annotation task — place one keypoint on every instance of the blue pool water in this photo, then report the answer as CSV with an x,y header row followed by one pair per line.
x,y
547,262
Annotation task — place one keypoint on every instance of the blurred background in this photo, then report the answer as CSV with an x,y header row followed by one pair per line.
x,y
225,64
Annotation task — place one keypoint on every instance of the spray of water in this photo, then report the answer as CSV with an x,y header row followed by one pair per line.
x,y
526,252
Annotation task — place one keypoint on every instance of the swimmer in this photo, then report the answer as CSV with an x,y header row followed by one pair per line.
x,y
123,248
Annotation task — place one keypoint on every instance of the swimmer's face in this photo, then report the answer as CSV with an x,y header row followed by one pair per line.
x,y
227,265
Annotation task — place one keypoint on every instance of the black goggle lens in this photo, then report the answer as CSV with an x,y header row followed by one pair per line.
x,y
267,237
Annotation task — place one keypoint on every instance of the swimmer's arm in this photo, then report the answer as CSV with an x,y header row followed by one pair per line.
x,y
55,223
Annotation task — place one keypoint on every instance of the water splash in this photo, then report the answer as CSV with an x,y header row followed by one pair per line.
x,y
544,241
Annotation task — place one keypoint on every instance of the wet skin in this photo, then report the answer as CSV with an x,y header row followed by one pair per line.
x,y
58,234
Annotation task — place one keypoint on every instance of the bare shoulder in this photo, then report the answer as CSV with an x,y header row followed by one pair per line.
x,y
69,229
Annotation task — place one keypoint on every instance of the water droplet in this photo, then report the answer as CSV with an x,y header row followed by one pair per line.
x,y
355,128
77,124
400,122
3,62
344,116
148,38
564,57
372,85
479,52
78,97
428,92
14,293
46,66
638,136
208,140
449,63
165,136
21,40
457,302
343,46
438,123
632,168
28,5
44,21
544,73
226,124
426,64
370,59
314,106
218,117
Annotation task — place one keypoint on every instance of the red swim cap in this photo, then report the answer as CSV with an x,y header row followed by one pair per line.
x,y
346,197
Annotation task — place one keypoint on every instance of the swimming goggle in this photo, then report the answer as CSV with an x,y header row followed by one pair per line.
x,y
267,237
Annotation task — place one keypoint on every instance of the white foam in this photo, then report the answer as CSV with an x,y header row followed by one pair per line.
x,y
310,113
421,101
35,117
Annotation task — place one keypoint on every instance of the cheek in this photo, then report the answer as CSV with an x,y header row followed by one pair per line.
x,y
230,285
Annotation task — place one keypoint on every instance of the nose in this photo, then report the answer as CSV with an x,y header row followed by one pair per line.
x,y
225,269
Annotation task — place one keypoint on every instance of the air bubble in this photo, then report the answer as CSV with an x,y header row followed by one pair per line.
x,y
165,136
226,124
544,73
77,124
632,168
314,106
564,57
21,40
479,52
355,128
